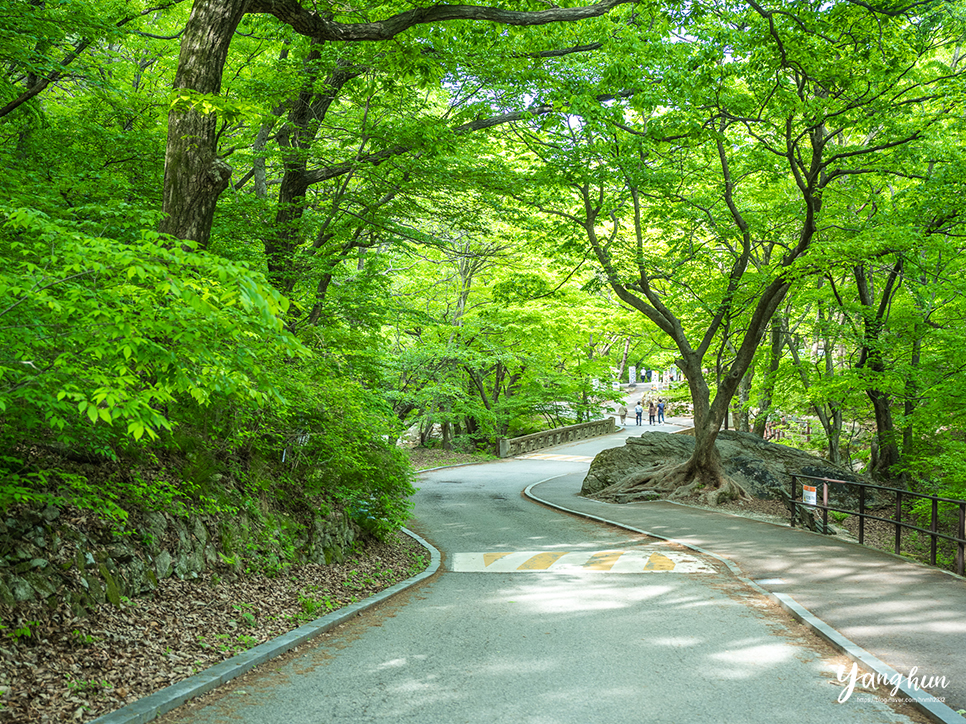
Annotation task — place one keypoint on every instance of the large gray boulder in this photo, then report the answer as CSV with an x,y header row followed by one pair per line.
x,y
762,469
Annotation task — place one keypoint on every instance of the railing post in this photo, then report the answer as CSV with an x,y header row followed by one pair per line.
x,y
825,507
898,520
961,536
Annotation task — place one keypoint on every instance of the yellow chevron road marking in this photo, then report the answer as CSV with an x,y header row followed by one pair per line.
x,y
603,561
489,558
657,562
639,560
540,562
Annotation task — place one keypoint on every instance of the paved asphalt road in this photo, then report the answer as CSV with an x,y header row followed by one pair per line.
x,y
565,639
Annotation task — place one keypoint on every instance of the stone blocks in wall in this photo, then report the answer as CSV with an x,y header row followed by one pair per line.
x,y
43,558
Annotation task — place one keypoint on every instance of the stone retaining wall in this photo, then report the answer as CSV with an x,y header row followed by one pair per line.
x,y
557,436
49,556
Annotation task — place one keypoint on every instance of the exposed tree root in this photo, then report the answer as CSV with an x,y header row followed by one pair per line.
x,y
671,481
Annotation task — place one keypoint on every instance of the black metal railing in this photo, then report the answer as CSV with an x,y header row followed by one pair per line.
x,y
933,530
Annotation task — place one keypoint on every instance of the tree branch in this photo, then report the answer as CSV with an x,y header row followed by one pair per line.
x,y
79,47
378,157
313,25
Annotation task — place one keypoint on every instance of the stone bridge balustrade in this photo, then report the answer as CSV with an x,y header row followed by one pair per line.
x,y
557,436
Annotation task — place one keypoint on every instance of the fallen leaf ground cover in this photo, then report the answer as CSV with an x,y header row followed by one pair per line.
x,y
423,458
57,667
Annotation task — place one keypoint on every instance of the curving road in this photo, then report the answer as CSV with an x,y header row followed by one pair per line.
x,y
542,617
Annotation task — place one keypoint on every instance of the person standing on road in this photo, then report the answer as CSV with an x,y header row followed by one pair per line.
x,y
622,411
638,411
660,410
651,412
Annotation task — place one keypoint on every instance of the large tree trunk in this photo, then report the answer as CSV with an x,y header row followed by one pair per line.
x,y
872,358
912,392
771,373
702,473
743,423
194,176
886,435
833,432
830,415
705,463
830,412
308,109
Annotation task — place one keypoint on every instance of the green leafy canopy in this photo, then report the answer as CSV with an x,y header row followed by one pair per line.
x,y
94,330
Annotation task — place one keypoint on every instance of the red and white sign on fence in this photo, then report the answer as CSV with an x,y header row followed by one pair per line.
x,y
809,494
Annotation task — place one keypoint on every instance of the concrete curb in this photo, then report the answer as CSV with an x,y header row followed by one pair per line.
x,y
926,702
171,697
